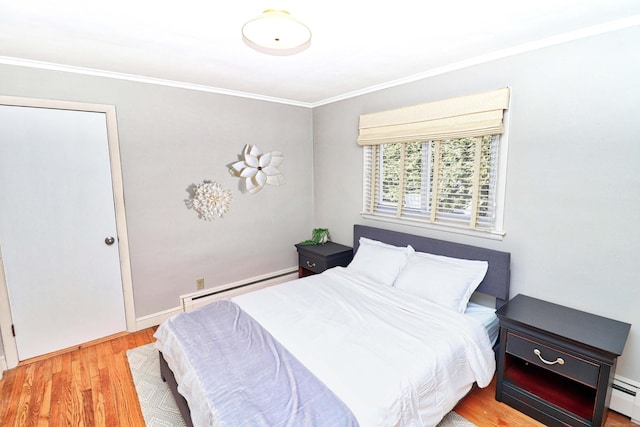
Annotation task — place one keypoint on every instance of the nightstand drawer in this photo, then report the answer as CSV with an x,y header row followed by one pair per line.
x,y
553,359
317,265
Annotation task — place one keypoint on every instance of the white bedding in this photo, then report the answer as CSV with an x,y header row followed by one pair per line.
x,y
393,359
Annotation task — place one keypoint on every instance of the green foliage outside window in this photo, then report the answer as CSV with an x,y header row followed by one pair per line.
x,y
454,175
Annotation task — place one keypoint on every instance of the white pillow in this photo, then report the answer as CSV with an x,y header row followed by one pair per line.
x,y
443,280
378,260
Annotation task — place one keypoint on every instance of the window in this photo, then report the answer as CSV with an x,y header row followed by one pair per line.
x,y
451,180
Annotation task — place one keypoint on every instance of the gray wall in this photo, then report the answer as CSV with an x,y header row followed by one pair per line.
x,y
171,138
573,187
572,203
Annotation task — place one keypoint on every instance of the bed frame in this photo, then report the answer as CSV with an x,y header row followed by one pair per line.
x,y
167,376
496,281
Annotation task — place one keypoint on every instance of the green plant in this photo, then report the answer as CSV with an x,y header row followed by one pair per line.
x,y
319,237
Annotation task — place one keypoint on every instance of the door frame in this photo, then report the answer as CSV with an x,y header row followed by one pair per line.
x,y
8,340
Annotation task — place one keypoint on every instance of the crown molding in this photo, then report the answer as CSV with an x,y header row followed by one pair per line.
x,y
500,54
527,47
30,63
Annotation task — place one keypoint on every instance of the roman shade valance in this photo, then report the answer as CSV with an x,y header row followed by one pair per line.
x,y
465,116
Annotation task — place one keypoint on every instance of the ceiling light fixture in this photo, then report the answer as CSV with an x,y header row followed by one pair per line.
x,y
276,32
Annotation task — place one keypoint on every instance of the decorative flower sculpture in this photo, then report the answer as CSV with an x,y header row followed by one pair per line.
x,y
258,169
210,199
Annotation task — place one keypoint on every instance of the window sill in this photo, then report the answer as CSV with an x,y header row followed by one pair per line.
x,y
492,235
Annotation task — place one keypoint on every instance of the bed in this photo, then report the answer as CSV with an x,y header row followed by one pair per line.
x,y
369,344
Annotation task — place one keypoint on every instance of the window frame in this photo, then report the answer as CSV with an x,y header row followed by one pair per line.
x,y
497,233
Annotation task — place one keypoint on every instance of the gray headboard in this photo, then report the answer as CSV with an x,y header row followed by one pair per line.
x,y
495,283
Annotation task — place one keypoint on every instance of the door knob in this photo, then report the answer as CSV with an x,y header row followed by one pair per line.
x,y
109,240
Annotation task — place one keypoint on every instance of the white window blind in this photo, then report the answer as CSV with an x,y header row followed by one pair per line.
x,y
447,181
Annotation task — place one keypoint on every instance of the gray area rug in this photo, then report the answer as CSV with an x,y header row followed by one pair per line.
x,y
158,406
454,420
159,409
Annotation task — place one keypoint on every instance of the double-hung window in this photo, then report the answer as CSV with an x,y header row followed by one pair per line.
x,y
437,164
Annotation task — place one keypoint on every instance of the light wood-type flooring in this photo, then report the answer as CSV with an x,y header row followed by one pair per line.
x,y
92,386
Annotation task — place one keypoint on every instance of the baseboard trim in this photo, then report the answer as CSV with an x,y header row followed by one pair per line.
x,y
3,366
225,291
155,319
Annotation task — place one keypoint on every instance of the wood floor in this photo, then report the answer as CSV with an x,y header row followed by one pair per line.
x,y
92,386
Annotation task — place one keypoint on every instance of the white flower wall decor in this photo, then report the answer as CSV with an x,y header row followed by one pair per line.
x,y
210,199
257,169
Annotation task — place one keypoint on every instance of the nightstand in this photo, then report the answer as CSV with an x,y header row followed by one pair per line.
x,y
556,364
313,259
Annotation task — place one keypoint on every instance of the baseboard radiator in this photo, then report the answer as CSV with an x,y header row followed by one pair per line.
x,y
625,398
198,299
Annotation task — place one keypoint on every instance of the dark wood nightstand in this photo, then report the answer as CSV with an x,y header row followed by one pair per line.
x,y
313,259
556,364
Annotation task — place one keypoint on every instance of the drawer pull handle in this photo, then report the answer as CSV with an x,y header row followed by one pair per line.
x,y
559,360
311,264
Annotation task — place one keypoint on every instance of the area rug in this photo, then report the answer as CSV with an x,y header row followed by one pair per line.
x,y
158,406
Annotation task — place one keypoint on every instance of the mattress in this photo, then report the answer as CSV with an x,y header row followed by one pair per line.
x,y
392,359
487,317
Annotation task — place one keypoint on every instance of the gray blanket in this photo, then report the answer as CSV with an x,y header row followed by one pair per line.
x,y
250,379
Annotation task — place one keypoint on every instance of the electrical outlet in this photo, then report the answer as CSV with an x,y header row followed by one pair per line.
x,y
200,283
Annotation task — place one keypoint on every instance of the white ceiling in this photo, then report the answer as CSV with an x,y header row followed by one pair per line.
x,y
357,46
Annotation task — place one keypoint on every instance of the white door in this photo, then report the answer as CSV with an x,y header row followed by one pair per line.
x,y
56,219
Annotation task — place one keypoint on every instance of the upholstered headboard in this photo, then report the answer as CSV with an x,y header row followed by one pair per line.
x,y
497,280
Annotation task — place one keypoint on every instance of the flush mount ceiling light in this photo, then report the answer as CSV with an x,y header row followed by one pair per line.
x,y
277,33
